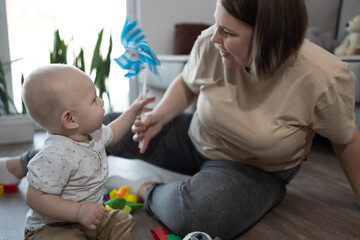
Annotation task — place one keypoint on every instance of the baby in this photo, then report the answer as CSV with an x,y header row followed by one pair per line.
x,y
66,177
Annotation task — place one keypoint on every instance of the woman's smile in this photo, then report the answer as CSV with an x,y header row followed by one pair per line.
x,y
224,53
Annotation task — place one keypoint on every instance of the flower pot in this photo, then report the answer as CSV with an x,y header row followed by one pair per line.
x,y
16,129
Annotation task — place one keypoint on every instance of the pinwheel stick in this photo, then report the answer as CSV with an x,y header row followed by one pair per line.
x,y
141,142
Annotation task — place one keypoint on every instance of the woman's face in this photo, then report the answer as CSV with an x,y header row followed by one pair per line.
x,y
233,37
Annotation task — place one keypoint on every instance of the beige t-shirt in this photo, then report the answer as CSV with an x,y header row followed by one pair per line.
x,y
269,125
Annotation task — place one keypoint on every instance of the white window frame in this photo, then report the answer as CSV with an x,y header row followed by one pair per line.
x,y
4,47
134,13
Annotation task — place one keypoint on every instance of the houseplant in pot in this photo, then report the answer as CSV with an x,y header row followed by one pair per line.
x,y
15,127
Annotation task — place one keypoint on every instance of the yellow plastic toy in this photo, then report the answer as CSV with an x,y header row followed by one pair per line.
x,y
123,192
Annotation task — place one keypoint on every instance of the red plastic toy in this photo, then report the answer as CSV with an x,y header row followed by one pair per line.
x,y
8,188
159,233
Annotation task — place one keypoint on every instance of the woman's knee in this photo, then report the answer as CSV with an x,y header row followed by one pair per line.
x,y
216,201
183,209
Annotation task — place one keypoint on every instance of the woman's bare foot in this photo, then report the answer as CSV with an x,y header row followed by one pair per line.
x,y
142,190
137,187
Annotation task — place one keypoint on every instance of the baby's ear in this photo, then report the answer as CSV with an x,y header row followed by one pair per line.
x,y
68,121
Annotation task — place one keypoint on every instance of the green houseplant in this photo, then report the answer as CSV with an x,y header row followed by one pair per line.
x,y
15,127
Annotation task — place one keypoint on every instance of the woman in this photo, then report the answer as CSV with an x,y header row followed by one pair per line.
x,y
263,92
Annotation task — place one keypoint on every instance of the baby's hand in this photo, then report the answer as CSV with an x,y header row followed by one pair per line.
x,y
139,104
90,214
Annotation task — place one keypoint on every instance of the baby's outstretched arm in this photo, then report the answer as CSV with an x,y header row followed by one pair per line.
x,y
122,124
53,206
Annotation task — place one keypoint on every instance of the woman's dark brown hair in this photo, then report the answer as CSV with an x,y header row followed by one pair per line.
x,y
279,30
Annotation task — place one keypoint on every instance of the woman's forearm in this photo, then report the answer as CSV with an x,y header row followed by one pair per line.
x,y
349,156
175,100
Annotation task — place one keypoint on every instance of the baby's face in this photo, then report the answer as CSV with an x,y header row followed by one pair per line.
x,y
88,107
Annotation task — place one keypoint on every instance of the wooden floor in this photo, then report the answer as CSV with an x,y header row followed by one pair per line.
x,y
319,204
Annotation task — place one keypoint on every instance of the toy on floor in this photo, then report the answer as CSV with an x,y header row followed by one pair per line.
x,y
121,199
122,204
351,44
106,195
160,233
123,192
8,188
199,236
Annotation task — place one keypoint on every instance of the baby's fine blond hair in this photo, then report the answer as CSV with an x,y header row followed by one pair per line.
x,y
47,93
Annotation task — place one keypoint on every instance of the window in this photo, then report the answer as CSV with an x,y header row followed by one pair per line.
x,y
31,26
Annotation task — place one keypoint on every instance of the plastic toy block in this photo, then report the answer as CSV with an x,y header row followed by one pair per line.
x,y
9,188
173,237
159,233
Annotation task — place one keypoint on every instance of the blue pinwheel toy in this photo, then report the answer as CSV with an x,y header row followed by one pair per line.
x,y
138,54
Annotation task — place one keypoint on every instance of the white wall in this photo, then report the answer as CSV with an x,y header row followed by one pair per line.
x,y
158,19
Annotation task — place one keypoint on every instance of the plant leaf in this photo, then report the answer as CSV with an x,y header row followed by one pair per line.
x,y
107,62
4,97
97,59
24,111
58,55
79,61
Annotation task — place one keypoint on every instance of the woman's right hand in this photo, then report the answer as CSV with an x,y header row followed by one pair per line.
x,y
176,99
146,130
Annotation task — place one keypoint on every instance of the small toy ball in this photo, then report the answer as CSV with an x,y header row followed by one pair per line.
x,y
197,236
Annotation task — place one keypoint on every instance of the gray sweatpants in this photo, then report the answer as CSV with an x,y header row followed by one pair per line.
x,y
222,198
